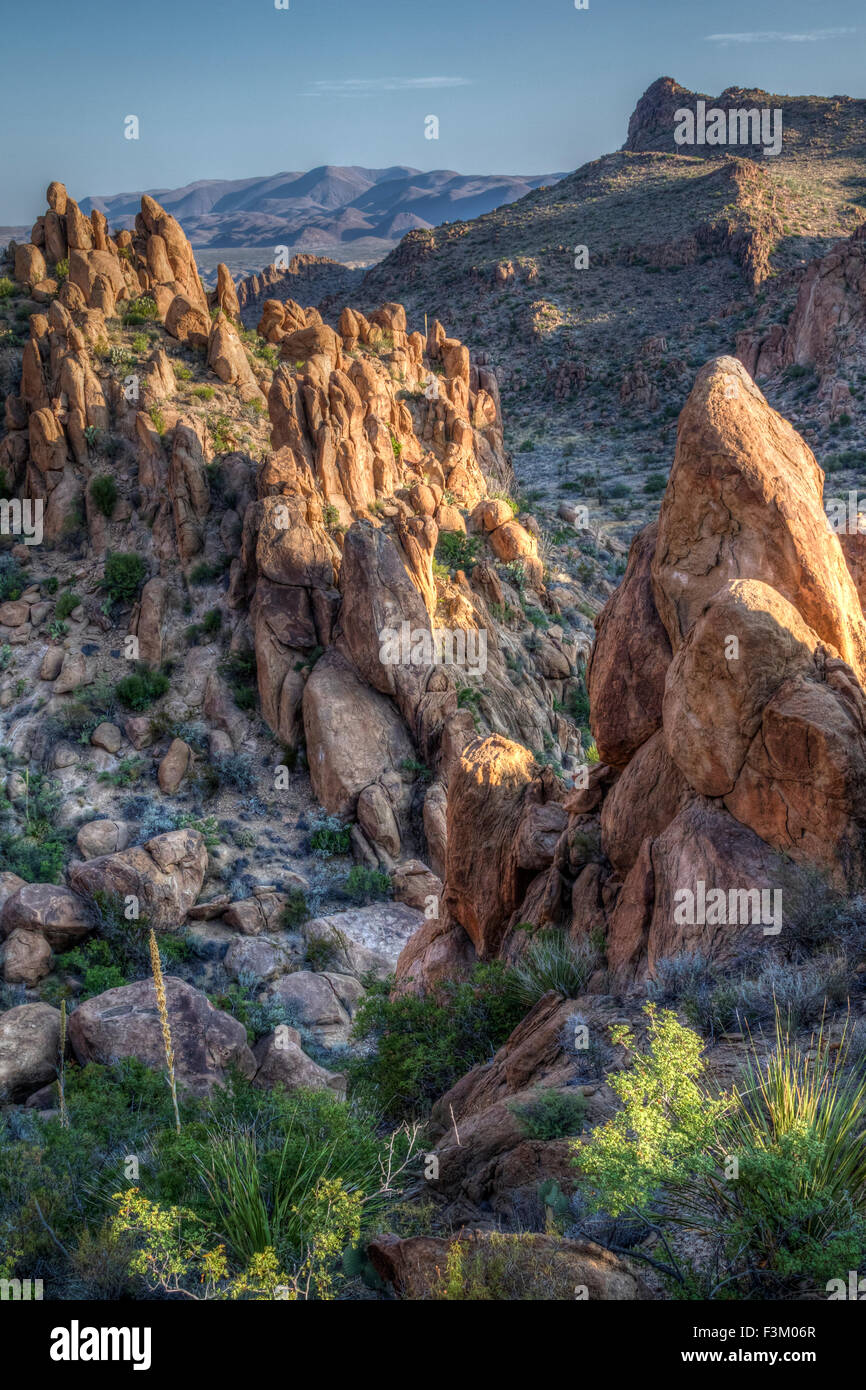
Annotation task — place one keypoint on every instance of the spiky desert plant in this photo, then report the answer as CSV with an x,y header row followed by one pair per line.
x,y
159,985
61,1072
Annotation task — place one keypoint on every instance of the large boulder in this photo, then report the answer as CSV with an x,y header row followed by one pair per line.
x,y
165,875
59,915
282,1062
521,1266
744,501
208,1043
353,734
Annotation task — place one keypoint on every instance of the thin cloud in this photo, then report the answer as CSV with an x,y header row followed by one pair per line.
x,y
365,86
778,36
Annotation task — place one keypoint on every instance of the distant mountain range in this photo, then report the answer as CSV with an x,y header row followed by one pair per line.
x,y
325,207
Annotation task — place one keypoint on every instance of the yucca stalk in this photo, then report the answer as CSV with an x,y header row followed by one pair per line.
x,y
61,1073
159,985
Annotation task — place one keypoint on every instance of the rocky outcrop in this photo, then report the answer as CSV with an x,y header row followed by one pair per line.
x,y
726,692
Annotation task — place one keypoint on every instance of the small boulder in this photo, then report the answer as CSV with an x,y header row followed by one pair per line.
x,y
29,1049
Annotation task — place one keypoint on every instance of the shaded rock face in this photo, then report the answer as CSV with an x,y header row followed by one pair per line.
x,y
726,690
629,660
827,328
125,1022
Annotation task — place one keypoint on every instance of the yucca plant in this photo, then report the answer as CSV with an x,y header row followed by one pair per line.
x,y
61,1068
265,1198
159,985
554,960
797,1130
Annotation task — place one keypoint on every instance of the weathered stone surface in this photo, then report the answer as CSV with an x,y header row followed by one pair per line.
x,y
26,957
629,659
553,1267
744,502
281,1061
29,1049
125,1022
60,915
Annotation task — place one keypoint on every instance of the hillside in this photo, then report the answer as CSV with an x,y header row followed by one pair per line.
x,y
686,254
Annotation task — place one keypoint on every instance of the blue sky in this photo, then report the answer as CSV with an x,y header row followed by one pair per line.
x,y
237,88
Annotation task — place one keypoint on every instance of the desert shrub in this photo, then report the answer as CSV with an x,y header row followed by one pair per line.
x,y
141,310
554,960
124,575
141,687
424,1043
792,1210
212,621
103,492
203,393
655,483
502,1267
551,1114
239,669
37,849
66,604
7,287
235,770
295,910
330,836
298,1175
128,771
204,573
457,551
13,580
365,885
126,940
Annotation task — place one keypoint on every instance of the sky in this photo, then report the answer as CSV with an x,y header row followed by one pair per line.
x,y
239,88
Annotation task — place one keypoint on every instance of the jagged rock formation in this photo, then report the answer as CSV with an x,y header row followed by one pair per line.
x,y
373,442
727,701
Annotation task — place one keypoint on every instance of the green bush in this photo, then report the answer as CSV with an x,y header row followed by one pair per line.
x,y
365,885
330,836
551,1114
141,310
457,551
771,1176
66,604
138,690
424,1043
103,491
295,911
124,576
